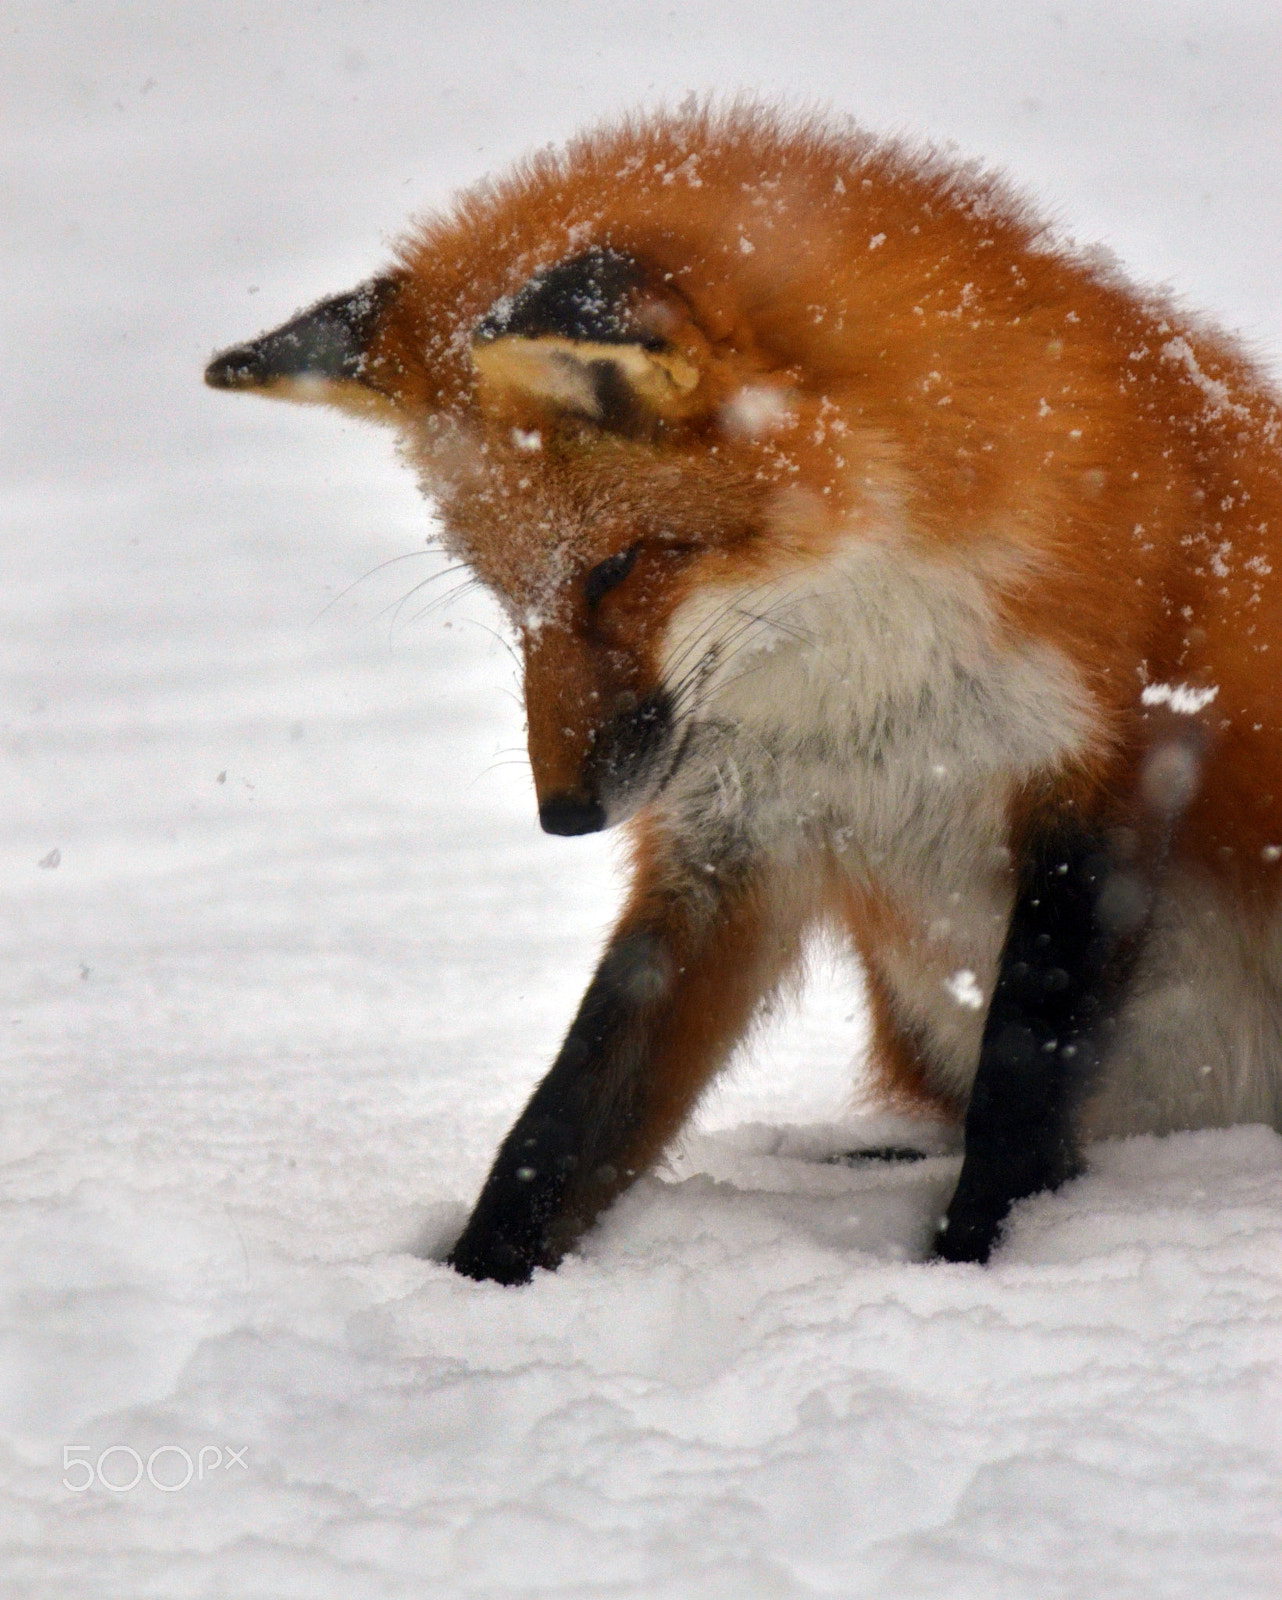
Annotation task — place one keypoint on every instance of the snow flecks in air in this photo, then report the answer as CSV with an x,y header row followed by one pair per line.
x,y
756,411
233,1157
964,988
1180,697
1171,776
1216,392
688,170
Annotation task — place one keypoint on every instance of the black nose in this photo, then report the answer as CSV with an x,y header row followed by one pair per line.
x,y
566,813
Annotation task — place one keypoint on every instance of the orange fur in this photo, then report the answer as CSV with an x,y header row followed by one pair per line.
x,y
1068,435
827,349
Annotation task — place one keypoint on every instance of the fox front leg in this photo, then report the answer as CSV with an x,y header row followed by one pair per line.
x,y
674,991
1076,925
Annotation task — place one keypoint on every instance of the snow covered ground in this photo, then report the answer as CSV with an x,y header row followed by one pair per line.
x,y
284,949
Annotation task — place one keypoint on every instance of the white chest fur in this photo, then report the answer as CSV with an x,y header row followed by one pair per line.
x,y
868,706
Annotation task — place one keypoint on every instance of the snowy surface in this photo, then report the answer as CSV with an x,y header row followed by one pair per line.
x,y
284,949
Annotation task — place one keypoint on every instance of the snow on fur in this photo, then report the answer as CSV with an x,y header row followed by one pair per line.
x,y
284,950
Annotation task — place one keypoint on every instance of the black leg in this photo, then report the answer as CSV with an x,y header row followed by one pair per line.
x,y
1073,934
670,999
560,1158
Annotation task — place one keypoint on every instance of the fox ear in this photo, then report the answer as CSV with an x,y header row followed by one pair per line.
x,y
590,336
320,355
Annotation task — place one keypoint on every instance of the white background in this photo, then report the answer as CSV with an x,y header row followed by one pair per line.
x,y
304,950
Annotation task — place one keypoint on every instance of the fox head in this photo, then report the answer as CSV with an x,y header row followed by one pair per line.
x,y
624,376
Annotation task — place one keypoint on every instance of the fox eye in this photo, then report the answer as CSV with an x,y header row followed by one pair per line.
x,y
608,574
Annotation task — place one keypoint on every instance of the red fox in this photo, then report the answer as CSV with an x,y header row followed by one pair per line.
x,y
883,562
